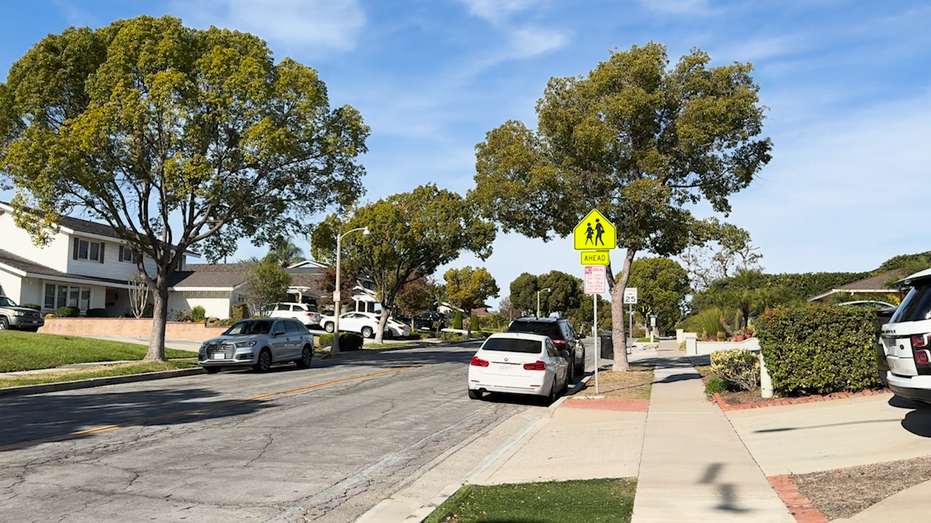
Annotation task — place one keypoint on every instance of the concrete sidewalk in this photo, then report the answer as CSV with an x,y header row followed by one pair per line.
x,y
694,466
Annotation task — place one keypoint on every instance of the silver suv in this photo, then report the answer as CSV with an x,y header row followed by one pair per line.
x,y
13,316
258,343
906,341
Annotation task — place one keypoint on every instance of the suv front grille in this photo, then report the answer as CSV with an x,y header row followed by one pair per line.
x,y
227,349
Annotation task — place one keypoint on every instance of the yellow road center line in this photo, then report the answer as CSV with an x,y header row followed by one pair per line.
x,y
200,410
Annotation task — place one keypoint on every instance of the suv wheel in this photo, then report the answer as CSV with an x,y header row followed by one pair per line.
x,y
329,327
570,372
3,324
265,361
306,357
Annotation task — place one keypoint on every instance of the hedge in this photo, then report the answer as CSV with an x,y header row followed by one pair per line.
x,y
96,313
33,306
816,349
457,320
349,341
67,312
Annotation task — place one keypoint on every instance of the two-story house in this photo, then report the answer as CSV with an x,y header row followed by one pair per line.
x,y
84,265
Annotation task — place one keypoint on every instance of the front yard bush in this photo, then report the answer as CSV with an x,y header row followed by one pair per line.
x,y
457,320
96,313
198,314
240,311
32,306
738,366
815,349
67,312
349,341
325,340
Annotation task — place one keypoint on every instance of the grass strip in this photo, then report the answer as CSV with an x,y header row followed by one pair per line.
x,y
634,384
374,346
103,371
21,351
591,501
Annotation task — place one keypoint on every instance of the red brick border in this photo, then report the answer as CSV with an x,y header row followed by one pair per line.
x,y
794,401
798,505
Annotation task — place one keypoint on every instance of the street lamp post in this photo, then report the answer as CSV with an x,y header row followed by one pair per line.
x,y
336,295
538,299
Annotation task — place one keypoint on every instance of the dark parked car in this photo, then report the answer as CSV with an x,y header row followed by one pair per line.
x,y
13,316
426,320
564,338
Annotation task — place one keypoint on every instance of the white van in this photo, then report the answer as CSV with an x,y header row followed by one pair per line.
x,y
906,340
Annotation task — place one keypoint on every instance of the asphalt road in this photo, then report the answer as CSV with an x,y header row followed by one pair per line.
x,y
323,444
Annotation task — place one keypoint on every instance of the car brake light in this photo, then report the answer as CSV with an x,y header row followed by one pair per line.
x,y
922,357
919,340
478,362
561,343
537,365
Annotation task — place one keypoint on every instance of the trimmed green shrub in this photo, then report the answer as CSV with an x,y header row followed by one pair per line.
x,y
67,312
815,349
457,320
240,311
738,366
96,313
473,322
451,336
179,315
198,314
325,340
349,341
716,385
32,306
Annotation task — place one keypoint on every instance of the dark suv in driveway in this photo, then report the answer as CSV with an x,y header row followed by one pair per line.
x,y
563,336
13,316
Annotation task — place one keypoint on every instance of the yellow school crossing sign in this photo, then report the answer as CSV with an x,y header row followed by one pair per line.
x,y
594,232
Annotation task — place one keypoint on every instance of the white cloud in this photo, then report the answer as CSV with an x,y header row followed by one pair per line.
x,y
496,11
329,24
681,7
528,41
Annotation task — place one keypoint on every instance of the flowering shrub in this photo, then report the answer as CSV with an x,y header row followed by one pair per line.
x,y
738,366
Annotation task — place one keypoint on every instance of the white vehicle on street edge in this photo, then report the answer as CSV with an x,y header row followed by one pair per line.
x,y
366,323
906,341
518,363
299,311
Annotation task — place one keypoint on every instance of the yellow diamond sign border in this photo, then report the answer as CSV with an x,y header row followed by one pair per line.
x,y
586,236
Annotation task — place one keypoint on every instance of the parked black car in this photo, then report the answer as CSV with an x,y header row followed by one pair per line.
x,y
425,321
563,336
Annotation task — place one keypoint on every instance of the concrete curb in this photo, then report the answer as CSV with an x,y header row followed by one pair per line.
x,y
97,382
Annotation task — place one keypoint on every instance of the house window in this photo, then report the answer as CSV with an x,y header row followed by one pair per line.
x,y
126,254
57,296
49,296
87,250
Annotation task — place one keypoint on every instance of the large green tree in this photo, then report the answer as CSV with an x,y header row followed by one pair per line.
x,y
265,284
564,294
662,285
411,235
638,141
469,288
177,138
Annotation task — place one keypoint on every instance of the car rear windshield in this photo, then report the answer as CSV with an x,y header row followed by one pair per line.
x,y
544,329
513,345
250,327
916,306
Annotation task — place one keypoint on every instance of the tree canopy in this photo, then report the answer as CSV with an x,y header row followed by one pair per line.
x,y
178,138
469,288
411,235
636,140
662,286
565,292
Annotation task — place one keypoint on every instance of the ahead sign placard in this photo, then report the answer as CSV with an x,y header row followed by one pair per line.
x,y
594,279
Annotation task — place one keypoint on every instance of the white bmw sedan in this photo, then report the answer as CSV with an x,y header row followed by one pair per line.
x,y
518,363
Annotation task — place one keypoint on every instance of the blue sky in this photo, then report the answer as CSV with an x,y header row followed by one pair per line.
x,y
846,84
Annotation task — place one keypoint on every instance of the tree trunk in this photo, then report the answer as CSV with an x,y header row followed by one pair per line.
x,y
382,321
159,319
469,330
618,325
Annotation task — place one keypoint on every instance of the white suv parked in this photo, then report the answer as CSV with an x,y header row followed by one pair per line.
x,y
906,340
299,311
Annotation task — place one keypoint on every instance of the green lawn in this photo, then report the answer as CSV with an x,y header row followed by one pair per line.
x,y
31,350
589,501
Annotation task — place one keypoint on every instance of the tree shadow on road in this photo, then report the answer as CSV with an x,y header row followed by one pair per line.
x,y
27,421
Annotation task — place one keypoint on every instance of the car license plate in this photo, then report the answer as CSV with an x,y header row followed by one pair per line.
x,y
506,368
219,356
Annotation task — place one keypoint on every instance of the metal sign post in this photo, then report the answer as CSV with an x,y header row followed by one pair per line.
x,y
630,298
595,284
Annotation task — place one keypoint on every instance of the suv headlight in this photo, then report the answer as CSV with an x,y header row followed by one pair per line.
x,y
19,313
244,344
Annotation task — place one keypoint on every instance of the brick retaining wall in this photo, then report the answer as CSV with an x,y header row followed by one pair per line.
x,y
128,327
